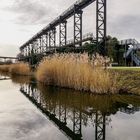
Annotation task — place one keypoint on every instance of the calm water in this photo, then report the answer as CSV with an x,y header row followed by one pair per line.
x,y
30,111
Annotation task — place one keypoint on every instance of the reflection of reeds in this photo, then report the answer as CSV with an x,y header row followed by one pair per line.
x,y
20,79
16,69
76,71
4,68
70,98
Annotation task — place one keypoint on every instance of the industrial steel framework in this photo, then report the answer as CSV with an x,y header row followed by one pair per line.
x,y
58,112
63,34
100,126
4,59
101,25
45,40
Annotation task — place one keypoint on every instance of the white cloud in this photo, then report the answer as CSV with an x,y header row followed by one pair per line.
x,y
20,20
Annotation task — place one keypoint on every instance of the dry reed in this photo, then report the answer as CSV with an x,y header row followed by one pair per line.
x,y
4,68
76,71
16,69
20,69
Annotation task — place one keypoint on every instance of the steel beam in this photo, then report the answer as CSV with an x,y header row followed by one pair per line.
x,y
101,25
63,33
78,27
100,126
77,122
65,15
52,38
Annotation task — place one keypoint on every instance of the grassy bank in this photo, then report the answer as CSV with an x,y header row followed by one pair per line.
x,y
16,69
128,80
125,68
76,71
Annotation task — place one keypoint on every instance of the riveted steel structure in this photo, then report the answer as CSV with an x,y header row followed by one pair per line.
x,y
101,25
78,27
68,118
63,33
5,59
52,38
100,126
44,42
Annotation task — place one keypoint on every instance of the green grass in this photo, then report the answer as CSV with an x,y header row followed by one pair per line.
x,y
128,79
126,68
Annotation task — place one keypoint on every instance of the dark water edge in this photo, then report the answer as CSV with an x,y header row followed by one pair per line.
x,y
54,113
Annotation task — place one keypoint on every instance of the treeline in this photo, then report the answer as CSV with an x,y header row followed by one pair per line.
x,y
112,49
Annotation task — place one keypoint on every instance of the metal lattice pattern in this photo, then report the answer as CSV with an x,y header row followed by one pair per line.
x,y
52,38
59,113
100,126
63,34
78,28
101,23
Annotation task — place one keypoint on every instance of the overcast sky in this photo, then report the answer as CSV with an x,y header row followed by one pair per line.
x,y
21,19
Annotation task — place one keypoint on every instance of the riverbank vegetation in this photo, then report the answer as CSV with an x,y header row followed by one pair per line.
x,y
16,69
128,80
77,71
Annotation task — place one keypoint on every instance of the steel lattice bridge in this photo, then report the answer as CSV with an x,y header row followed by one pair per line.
x,y
44,41
58,112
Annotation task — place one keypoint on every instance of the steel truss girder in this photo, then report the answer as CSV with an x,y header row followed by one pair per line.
x,y
77,122
62,113
44,43
78,27
63,33
52,38
101,23
100,124
35,47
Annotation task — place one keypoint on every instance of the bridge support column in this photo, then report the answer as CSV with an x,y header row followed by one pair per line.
x,y
41,44
52,38
77,122
100,126
78,27
46,42
101,25
36,50
28,50
63,34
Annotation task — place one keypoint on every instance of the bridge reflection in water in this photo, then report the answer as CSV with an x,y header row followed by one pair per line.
x,y
71,112
2,78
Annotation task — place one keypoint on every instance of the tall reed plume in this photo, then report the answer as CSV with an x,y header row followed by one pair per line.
x,y
76,71
16,69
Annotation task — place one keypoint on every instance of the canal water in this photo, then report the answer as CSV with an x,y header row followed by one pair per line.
x,y
31,111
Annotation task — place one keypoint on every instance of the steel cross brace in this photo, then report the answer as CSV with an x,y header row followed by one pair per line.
x,y
100,123
78,27
63,33
52,38
101,25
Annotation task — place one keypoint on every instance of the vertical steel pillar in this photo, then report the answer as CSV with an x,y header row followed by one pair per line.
x,y
46,42
26,51
29,50
101,25
63,33
78,27
41,44
52,38
77,122
100,126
